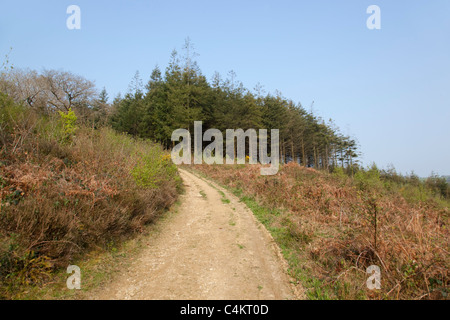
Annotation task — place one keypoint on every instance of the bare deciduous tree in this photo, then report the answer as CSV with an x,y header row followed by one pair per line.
x,y
65,90
51,90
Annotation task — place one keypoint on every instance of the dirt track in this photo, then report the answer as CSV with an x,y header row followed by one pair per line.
x,y
210,249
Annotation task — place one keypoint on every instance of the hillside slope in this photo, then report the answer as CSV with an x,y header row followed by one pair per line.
x,y
331,227
66,189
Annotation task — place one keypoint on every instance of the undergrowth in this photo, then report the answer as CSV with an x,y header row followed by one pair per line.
x,y
67,189
331,227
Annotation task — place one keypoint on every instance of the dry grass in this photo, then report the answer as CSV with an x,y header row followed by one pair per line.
x,y
60,198
333,227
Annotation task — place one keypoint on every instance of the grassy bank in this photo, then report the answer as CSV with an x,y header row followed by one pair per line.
x,y
331,227
67,190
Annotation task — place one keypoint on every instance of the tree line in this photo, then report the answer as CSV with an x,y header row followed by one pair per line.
x,y
178,96
181,95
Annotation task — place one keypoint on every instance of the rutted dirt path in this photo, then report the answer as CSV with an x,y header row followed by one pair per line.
x,y
212,248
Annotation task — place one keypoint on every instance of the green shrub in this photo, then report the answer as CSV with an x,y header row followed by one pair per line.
x,y
69,127
153,169
369,179
10,115
339,173
439,185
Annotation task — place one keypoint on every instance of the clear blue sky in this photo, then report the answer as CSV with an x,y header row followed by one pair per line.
x,y
388,88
